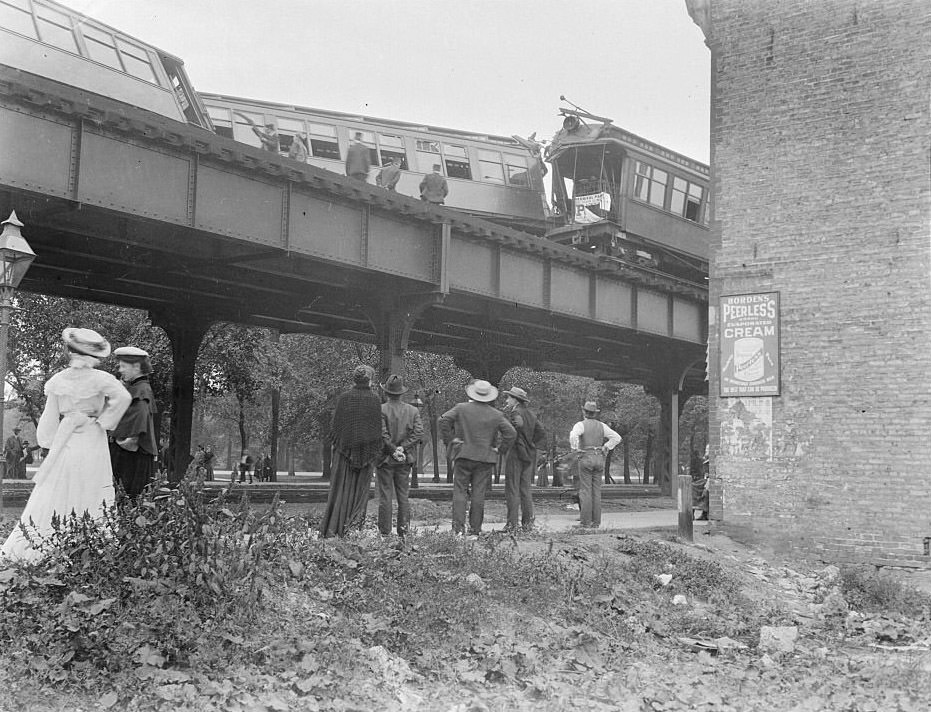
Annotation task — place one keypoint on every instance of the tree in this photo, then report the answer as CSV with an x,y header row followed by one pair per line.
x,y
236,360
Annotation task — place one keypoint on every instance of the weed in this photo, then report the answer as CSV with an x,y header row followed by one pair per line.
x,y
870,591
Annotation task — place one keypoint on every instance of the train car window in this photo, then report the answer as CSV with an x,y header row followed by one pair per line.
x,y
686,199
101,47
136,60
323,143
242,128
287,129
15,15
55,29
518,174
490,167
457,162
650,184
221,119
428,155
392,147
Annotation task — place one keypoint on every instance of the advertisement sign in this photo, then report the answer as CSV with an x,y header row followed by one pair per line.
x,y
749,345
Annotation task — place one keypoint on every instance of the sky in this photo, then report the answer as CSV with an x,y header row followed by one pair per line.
x,y
487,66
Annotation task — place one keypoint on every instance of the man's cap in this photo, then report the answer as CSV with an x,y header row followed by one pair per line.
x,y
518,393
17,429
86,341
394,385
591,407
436,167
481,391
270,124
130,353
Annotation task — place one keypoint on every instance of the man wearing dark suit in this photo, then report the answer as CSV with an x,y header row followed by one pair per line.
x,y
477,431
433,187
402,430
518,466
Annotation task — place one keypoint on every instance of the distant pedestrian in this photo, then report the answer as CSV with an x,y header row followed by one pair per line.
x,y
245,467
476,432
356,433
81,403
208,463
134,443
298,150
402,432
389,176
519,461
433,187
592,439
357,159
13,456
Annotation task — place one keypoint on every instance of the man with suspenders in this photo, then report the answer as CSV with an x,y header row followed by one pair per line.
x,y
592,439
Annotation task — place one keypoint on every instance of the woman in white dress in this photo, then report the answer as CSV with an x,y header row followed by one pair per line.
x,y
82,403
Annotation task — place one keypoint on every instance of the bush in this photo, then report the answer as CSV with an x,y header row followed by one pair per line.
x,y
143,586
870,591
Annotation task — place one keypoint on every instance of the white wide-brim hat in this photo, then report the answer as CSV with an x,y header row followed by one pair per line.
x,y
86,341
481,391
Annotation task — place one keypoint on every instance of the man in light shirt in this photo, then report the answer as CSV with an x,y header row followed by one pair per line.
x,y
592,439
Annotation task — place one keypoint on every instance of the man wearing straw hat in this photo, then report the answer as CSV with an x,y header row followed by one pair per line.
x,y
402,430
592,439
477,432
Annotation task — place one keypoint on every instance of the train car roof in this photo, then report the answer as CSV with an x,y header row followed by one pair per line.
x,y
94,21
424,128
597,133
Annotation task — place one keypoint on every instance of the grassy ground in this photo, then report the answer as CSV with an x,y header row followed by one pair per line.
x,y
181,606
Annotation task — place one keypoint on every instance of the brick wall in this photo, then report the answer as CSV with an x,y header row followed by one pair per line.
x,y
821,148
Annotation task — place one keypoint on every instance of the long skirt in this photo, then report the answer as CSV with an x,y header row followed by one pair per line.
x,y
75,477
348,497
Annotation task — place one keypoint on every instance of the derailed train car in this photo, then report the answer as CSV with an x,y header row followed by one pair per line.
x,y
493,177
617,194
45,39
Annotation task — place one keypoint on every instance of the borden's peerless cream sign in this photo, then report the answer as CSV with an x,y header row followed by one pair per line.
x,y
749,339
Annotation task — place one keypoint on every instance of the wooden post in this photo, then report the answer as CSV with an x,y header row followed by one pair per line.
x,y
685,507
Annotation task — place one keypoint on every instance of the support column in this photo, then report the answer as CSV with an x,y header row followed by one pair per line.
x,y
392,321
667,388
185,333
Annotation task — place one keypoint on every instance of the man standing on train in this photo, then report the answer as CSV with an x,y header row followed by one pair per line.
x,y
389,176
433,187
357,159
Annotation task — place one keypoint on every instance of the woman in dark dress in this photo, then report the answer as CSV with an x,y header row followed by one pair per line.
x,y
356,435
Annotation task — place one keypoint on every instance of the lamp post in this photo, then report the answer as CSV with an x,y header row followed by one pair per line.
x,y
417,402
15,258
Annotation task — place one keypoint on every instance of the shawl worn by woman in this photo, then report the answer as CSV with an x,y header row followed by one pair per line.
x,y
356,429
357,443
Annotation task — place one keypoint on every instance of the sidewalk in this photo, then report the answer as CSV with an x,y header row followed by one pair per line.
x,y
653,519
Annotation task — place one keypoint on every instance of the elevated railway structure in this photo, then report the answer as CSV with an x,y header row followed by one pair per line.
x,y
126,205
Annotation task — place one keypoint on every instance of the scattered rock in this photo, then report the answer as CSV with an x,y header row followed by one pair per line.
x,y
778,639
664,579
834,604
679,600
475,583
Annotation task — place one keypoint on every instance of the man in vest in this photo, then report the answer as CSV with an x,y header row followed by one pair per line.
x,y
518,466
402,430
592,439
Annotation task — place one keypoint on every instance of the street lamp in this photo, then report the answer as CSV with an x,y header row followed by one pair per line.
x,y
15,258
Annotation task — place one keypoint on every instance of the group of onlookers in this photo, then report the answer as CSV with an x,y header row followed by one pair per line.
x,y
370,436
